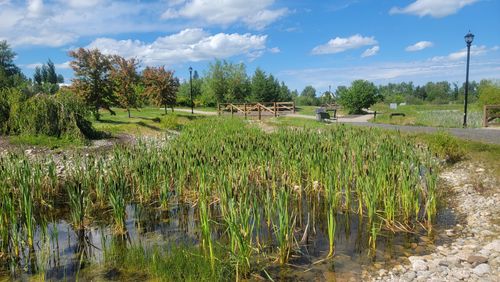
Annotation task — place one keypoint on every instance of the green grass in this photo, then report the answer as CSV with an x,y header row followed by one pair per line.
x,y
145,121
448,115
46,141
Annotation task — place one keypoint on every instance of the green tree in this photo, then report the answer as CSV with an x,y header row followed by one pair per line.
x,y
259,86
308,97
10,74
92,80
125,78
361,95
160,86
489,92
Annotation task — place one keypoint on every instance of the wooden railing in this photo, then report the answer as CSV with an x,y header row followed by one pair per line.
x,y
490,113
275,108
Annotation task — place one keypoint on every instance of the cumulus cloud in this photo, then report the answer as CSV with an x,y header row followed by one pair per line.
x,y
433,8
254,14
58,23
370,52
421,45
188,45
339,44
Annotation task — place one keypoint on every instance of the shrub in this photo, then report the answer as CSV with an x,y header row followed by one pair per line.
x,y
60,115
170,122
446,146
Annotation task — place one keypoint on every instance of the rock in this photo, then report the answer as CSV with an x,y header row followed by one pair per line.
x,y
413,245
495,245
382,272
419,265
410,276
475,260
460,274
481,269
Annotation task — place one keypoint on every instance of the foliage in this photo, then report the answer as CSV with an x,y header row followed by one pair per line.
x,y
308,97
62,115
446,146
92,80
125,78
160,86
489,93
361,95
46,79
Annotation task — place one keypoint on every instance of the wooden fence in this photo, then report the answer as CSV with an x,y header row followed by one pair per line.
x,y
490,113
274,108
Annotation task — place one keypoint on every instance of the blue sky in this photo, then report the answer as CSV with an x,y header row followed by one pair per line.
x,y
319,43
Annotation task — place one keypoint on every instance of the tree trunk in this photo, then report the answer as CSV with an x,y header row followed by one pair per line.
x,y
128,110
165,108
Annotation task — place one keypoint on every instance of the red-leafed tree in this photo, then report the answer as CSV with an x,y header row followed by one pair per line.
x,y
92,79
125,78
160,86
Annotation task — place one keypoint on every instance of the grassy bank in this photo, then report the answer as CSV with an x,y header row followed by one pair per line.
x,y
450,115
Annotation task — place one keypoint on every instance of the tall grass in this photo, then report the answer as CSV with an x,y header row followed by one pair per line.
x,y
235,175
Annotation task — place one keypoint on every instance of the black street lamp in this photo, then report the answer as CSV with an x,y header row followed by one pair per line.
x,y
191,88
469,37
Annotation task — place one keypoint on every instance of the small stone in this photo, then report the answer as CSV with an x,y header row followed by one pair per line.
x,y
481,269
410,276
382,272
419,265
413,245
475,260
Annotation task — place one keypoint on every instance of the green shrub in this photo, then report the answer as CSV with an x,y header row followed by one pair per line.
x,y
60,115
446,146
170,122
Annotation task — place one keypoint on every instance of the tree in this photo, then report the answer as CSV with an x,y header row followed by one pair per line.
x,y
10,74
92,79
124,76
308,97
361,95
37,76
259,86
489,92
161,86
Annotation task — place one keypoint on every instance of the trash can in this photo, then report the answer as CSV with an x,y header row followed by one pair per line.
x,y
321,114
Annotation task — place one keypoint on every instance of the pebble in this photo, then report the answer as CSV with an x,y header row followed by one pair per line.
x,y
481,269
474,252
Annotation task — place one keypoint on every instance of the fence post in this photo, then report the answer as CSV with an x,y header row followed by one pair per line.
x,y
275,110
232,114
485,116
218,108
294,107
258,106
375,115
245,107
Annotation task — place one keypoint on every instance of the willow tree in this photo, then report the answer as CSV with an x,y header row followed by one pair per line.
x,y
160,86
92,81
125,78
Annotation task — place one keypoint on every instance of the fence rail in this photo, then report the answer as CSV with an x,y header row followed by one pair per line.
x,y
490,113
274,108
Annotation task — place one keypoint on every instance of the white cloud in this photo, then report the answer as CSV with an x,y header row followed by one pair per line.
x,y
421,45
339,44
433,8
255,14
370,52
462,54
59,22
64,65
274,50
485,64
188,45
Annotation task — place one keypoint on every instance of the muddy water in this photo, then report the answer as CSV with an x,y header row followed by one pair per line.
x,y
67,254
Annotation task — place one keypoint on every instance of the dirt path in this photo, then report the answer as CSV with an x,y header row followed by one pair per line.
x,y
197,112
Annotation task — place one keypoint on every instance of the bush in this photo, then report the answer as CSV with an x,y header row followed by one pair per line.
x,y
170,122
60,115
446,146
489,94
361,95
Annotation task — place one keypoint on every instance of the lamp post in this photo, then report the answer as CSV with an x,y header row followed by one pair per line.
x,y
191,88
469,37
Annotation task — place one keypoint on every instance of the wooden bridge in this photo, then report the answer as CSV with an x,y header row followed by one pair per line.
x,y
263,108
490,113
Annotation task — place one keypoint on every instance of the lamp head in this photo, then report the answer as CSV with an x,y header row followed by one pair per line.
x,y
469,37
